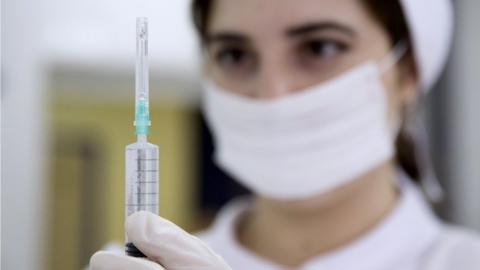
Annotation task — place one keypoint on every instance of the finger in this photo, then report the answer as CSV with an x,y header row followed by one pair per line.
x,y
106,260
166,243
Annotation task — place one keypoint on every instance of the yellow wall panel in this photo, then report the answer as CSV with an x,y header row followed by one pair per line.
x,y
110,127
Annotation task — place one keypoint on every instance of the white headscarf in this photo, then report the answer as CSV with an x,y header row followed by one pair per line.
x,y
431,27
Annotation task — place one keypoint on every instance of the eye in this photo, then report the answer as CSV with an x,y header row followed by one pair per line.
x,y
234,59
232,56
322,49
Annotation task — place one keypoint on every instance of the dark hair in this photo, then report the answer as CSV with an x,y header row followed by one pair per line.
x,y
390,14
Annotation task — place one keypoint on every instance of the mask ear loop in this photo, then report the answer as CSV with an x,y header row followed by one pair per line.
x,y
394,56
429,182
428,179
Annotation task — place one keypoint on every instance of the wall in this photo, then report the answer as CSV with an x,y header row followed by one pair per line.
x,y
464,129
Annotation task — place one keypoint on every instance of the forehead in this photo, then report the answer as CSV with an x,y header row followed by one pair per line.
x,y
270,16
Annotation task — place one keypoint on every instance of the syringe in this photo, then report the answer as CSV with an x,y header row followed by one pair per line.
x,y
141,158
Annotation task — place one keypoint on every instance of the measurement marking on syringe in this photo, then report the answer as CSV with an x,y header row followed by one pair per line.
x,y
142,204
146,170
145,182
146,159
146,193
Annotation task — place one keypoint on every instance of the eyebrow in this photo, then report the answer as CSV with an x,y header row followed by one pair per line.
x,y
228,36
309,28
304,29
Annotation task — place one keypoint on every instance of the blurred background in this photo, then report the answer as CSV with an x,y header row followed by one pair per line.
x,y
67,112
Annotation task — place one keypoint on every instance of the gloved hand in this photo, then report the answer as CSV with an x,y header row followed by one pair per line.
x,y
166,246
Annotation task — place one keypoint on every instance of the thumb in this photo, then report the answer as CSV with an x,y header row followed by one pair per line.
x,y
107,260
167,244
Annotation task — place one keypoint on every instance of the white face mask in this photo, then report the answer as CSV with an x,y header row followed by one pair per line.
x,y
307,143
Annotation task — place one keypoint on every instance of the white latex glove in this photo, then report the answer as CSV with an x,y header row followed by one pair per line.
x,y
166,246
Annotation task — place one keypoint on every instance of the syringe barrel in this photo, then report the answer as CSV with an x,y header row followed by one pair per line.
x,y
141,180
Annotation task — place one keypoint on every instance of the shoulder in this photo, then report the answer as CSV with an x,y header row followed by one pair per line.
x,y
455,248
221,233
218,241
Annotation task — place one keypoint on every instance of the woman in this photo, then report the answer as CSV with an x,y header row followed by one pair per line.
x,y
307,101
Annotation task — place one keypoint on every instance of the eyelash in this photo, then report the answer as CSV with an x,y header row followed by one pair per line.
x,y
326,47
225,56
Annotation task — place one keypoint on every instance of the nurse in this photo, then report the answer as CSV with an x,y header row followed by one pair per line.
x,y
308,103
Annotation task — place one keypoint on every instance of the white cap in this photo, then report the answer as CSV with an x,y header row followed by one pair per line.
x,y
431,28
